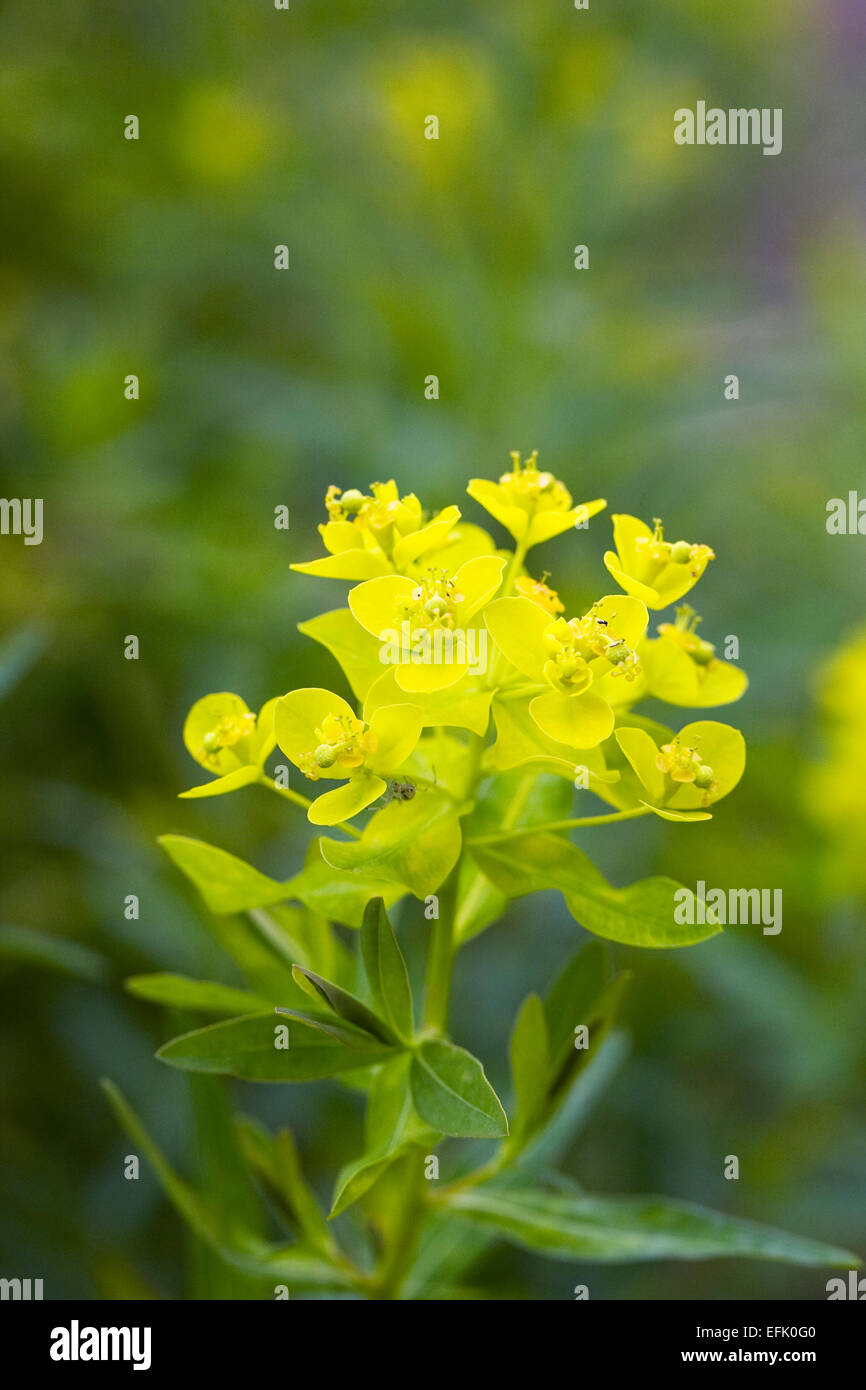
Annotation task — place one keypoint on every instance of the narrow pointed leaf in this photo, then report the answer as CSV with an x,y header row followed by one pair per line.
x,y
574,1226
386,970
343,1004
204,996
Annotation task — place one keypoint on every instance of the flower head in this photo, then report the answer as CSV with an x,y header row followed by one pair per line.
x,y
683,669
690,770
324,738
228,739
376,533
564,658
425,624
533,505
650,568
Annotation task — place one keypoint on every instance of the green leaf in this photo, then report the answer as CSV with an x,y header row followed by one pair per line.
x,y
356,1178
245,1047
452,1093
298,1267
355,650
339,895
572,995
386,970
415,843
226,883
275,1159
343,1004
582,994
573,1226
18,652
392,1129
530,1064
226,1182
389,1104
639,915
204,996
26,946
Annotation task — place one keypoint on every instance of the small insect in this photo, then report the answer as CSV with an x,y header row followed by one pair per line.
x,y
400,791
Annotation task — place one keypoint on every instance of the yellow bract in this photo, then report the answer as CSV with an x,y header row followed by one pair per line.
x,y
533,506
650,568
693,769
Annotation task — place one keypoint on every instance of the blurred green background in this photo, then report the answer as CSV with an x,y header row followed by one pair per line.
x,y
260,388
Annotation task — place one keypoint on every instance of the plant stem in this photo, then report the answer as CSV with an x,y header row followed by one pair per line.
x,y
572,824
442,944
441,957
397,1259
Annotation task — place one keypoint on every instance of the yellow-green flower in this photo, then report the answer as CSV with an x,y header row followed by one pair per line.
x,y
690,771
532,505
683,669
650,568
376,533
324,738
228,739
425,625
565,658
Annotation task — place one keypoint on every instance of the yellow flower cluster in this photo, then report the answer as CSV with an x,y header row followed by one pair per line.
x,y
445,629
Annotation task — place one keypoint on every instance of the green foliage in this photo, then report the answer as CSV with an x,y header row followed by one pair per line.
x,y
639,915
574,1226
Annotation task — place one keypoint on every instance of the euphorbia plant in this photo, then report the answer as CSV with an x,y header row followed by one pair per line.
x,y
482,708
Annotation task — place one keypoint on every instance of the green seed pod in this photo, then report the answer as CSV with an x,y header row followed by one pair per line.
x,y
325,755
704,777
211,741
681,552
436,606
